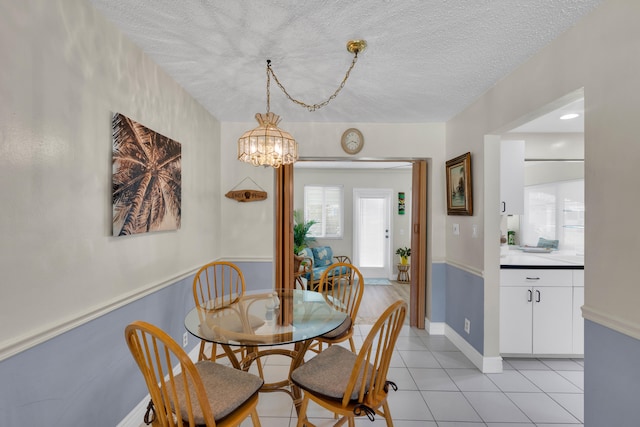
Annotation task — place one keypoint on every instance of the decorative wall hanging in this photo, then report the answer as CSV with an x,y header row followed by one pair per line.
x,y
401,203
459,196
147,179
249,195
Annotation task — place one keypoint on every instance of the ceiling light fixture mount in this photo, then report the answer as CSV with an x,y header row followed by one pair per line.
x,y
569,116
268,145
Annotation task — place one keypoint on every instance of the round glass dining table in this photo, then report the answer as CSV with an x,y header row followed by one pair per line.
x,y
262,323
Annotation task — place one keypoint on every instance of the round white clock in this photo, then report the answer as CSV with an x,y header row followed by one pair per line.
x,y
352,141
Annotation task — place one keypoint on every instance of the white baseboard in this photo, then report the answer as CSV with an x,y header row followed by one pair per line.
x,y
434,328
487,365
135,418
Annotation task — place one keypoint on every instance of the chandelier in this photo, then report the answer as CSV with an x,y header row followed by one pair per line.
x,y
268,145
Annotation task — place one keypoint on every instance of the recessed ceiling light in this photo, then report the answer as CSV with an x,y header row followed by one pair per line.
x,y
569,116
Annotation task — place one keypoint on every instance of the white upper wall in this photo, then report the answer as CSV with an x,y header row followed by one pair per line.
x,y
247,228
65,70
594,55
398,180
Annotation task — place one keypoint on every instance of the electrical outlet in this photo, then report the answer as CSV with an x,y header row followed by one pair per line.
x,y
467,325
185,339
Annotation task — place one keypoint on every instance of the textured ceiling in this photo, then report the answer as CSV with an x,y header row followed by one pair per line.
x,y
426,59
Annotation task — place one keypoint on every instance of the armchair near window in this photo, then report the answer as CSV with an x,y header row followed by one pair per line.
x,y
315,261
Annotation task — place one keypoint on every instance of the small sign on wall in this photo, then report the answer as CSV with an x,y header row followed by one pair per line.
x,y
401,203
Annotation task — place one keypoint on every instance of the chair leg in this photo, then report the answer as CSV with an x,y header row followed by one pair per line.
x,y
351,343
302,413
201,352
254,418
387,414
260,372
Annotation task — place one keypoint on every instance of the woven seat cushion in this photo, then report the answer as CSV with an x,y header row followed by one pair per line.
x,y
227,389
328,373
340,330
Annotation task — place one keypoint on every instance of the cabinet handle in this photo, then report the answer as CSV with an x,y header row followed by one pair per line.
x,y
530,296
533,278
504,206
538,296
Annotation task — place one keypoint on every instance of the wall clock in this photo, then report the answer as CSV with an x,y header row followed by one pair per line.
x,y
352,141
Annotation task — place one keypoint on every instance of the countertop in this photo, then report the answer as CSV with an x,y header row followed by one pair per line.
x,y
511,257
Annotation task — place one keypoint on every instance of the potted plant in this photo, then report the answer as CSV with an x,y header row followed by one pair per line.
x,y
301,237
404,253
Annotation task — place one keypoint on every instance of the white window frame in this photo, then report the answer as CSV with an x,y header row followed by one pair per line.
x,y
318,230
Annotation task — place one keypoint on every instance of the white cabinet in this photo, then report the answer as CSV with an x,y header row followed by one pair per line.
x,y
512,177
578,320
537,312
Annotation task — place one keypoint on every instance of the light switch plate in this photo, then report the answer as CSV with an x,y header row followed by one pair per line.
x,y
456,229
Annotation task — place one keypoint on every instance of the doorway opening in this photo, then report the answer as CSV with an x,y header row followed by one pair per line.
x,y
372,230
416,229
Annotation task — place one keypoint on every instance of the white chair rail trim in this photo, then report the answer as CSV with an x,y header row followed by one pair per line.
x,y
18,344
467,268
618,324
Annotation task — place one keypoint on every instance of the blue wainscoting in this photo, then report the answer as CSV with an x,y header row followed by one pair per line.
x,y
611,377
465,299
86,376
438,292
258,275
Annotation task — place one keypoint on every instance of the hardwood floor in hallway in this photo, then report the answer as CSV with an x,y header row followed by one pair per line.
x,y
377,298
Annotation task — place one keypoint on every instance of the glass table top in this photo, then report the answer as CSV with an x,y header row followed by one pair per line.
x,y
265,319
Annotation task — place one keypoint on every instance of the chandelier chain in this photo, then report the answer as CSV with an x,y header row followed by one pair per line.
x,y
313,107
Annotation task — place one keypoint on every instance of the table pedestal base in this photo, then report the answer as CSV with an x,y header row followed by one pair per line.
x,y
286,385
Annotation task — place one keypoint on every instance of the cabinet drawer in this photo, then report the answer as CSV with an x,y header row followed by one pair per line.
x,y
535,277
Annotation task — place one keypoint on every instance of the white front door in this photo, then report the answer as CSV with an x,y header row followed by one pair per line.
x,y
372,231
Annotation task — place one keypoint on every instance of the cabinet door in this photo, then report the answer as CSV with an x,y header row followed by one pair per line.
x,y
515,319
578,320
552,320
512,177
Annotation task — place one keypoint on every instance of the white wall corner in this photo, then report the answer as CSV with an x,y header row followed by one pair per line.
x,y
487,365
434,328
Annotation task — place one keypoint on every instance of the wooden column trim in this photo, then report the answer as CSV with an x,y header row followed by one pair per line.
x,y
284,228
418,244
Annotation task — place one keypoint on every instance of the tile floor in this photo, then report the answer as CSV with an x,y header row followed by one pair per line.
x,y
439,387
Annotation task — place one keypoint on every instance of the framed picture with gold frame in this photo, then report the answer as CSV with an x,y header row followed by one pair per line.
x,y
459,186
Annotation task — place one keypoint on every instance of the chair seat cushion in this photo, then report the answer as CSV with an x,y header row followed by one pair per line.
x,y
329,372
318,271
227,389
340,330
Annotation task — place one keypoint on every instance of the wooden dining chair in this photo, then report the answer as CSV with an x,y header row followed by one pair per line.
x,y
187,394
352,385
215,285
343,288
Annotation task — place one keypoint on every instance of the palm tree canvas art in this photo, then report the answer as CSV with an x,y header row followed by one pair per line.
x,y
147,179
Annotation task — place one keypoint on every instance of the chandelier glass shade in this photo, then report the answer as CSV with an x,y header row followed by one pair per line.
x,y
267,145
